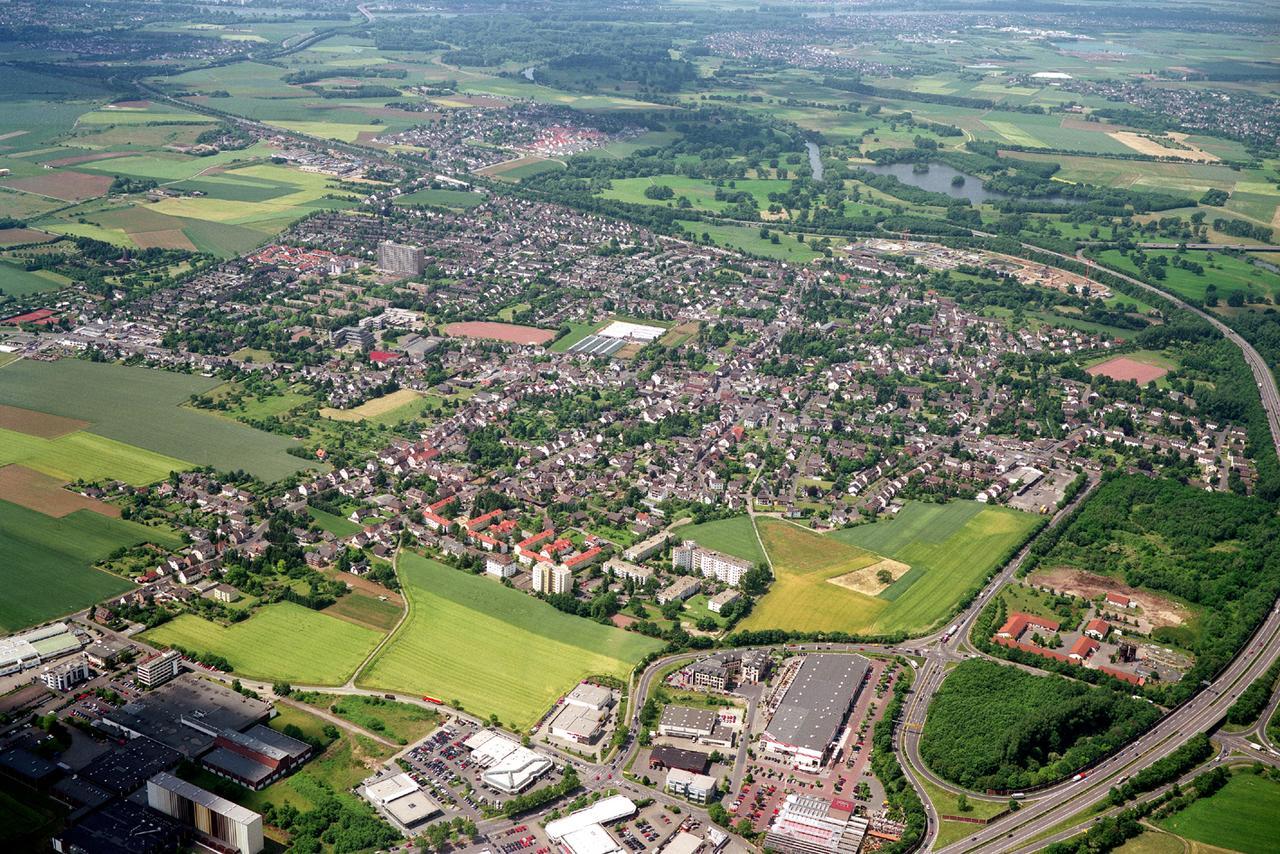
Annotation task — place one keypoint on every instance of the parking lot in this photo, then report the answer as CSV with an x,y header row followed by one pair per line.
x,y
440,765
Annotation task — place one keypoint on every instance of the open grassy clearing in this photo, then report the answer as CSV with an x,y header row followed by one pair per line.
x,y
458,199
736,536
495,649
334,524
46,563
399,405
283,641
141,407
748,239
700,192
950,549
1227,273
403,723
1240,816
800,598
948,804
17,282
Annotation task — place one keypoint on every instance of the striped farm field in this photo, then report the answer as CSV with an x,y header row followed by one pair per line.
x,y
283,641
46,563
86,456
494,649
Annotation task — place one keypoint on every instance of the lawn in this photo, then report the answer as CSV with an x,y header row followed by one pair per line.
x,y
748,239
400,405
494,649
1240,816
736,536
950,547
334,524
141,407
282,641
948,804
46,563
800,598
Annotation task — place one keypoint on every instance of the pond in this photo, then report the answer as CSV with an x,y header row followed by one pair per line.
x,y
815,160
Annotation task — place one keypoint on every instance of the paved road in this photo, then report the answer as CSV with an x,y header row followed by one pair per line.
x,y
1201,714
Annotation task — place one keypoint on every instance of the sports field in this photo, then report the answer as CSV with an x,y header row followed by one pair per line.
x,y
46,562
801,599
497,650
1240,816
950,549
138,407
511,332
736,536
281,641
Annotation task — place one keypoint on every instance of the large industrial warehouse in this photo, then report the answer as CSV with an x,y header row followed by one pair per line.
x,y
808,720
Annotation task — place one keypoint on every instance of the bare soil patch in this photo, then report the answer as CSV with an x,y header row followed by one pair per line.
x,y
865,580
128,105
36,423
511,332
67,186
87,158
1153,610
44,494
1144,145
19,236
1123,368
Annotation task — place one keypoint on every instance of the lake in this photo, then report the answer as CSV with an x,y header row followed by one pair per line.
x,y
939,177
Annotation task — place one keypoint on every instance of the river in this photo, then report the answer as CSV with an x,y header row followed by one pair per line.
x,y
815,160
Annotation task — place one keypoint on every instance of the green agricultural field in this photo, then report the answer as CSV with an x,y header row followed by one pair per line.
x,y
86,456
366,610
1227,272
462,199
283,641
950,548
497,650
17,282
735,536
1240,816
801,597
141,407
46,563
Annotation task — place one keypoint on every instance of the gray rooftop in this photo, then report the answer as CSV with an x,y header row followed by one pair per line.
x,y
186,712
817,700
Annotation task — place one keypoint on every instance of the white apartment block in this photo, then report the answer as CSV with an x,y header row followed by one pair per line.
x,y
726,569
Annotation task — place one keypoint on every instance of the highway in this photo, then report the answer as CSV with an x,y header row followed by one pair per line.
x,y
1203,713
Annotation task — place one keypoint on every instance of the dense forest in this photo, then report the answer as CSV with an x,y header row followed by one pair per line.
x,y
992,726
1213,550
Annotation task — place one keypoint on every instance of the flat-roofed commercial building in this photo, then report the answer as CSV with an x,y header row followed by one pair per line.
x,y
257,757
403,800
229,824
698,788
508,766
808,720
159,668
808,825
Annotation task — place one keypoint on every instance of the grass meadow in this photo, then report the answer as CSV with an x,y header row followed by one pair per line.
x,y
46,562
283,641
494,649
949,547
1239,817
801,599
736,536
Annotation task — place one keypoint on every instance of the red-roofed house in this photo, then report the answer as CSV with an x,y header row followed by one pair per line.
x,y
1082,649
479,523
1098,629
1119,600
1123,676
1018,623
382,357
587,558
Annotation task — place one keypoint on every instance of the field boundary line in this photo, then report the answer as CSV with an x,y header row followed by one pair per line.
x,y
392,633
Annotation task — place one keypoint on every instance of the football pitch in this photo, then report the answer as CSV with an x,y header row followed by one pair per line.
x,y
283,641
494,649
